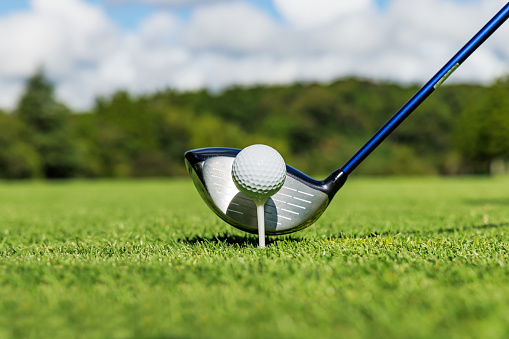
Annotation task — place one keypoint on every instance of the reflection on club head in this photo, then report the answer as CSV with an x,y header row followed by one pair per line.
x,y
243,210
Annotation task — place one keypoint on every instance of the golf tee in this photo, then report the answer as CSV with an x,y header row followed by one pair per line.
x,y
260,215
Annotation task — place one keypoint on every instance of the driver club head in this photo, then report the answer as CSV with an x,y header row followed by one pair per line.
x,y
298,204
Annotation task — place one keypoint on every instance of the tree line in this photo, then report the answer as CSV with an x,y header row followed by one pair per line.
x,y
460,129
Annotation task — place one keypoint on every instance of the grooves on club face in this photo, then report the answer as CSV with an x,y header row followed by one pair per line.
x,y
299,203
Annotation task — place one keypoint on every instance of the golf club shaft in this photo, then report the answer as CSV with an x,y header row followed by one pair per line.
x,y
427,89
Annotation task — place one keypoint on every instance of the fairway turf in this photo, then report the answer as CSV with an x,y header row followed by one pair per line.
x,y
390,258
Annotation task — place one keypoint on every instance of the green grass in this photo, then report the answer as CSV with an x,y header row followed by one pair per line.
x,y
390,258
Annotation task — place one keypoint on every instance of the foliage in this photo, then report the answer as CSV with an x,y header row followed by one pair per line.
x,y
48,129
390,258
316,127
483,130
18,159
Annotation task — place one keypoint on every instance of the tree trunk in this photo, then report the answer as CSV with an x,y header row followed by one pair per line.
x,y
497,166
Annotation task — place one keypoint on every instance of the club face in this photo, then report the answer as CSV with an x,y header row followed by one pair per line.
x,y
296,206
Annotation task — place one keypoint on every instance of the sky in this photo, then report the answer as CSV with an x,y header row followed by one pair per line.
x,y
92,48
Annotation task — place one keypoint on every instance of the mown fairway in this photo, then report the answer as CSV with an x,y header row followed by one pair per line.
x,y
392,258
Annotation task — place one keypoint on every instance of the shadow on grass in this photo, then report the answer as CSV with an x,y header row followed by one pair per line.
x,y
479,227
427,233
252,240
246,240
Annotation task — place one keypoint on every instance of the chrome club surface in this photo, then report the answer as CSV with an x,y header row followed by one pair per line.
x,y
297,205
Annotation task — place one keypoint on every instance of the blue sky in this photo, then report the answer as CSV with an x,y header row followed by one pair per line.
x,y
95,47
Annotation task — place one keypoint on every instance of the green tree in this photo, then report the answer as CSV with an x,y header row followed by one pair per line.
x,y
18,159
50,131
126,136
482,134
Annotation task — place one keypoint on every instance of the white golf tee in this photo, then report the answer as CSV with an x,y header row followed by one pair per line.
x,y
260,215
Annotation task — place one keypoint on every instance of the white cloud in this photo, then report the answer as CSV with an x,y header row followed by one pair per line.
x,y
428,33
307,13
61,35
237,28
225,43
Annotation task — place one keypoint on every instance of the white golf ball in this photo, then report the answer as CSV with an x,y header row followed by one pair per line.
x,y
259,171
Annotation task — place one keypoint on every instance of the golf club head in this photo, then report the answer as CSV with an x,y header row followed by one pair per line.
x,y
298,204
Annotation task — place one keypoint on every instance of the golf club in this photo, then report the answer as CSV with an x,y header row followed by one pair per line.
x,y
302,199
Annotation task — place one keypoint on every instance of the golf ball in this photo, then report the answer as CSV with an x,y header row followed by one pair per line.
x,y
259,171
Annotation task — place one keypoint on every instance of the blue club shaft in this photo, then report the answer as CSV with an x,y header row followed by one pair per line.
x,y
427,89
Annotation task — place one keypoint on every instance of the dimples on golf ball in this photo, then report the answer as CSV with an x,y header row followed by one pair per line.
x,y
259,171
